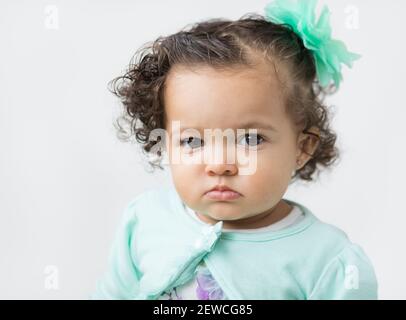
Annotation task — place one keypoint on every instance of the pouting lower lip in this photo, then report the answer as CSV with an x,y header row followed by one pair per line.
x,y
222,195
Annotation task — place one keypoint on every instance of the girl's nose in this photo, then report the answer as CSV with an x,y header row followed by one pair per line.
x,y
221,169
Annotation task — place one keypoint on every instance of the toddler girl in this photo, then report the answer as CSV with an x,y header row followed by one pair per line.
x,y
224,230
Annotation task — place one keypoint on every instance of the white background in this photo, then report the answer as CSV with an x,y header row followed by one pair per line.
x,y
65,178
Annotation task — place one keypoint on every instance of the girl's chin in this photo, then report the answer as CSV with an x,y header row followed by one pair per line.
x,y
213,217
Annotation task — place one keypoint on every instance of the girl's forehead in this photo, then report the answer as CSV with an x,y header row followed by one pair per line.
x,y
209,90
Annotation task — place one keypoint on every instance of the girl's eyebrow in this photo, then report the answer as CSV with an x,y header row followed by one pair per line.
x,y
246,125
258,125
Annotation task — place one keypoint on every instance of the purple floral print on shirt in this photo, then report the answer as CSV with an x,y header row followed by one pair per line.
x,y
207,287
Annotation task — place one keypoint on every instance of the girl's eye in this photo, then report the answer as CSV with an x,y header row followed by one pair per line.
x,y
252,139
192,142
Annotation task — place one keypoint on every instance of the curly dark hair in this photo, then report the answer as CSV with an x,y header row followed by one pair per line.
x,y
225,44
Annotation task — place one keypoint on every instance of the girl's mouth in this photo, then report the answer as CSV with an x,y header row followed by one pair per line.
x,y
222,195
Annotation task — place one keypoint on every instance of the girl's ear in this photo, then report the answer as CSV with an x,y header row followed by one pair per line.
x,y
307,144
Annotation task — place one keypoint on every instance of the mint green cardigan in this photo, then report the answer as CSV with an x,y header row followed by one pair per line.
x,y
158,246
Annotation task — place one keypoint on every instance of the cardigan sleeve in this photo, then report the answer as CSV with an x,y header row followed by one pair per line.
x,y
348,276
121,280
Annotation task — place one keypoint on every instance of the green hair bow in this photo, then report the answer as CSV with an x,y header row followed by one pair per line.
x,y
328,53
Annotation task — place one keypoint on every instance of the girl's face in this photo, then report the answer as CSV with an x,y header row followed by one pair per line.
x,y
208,99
